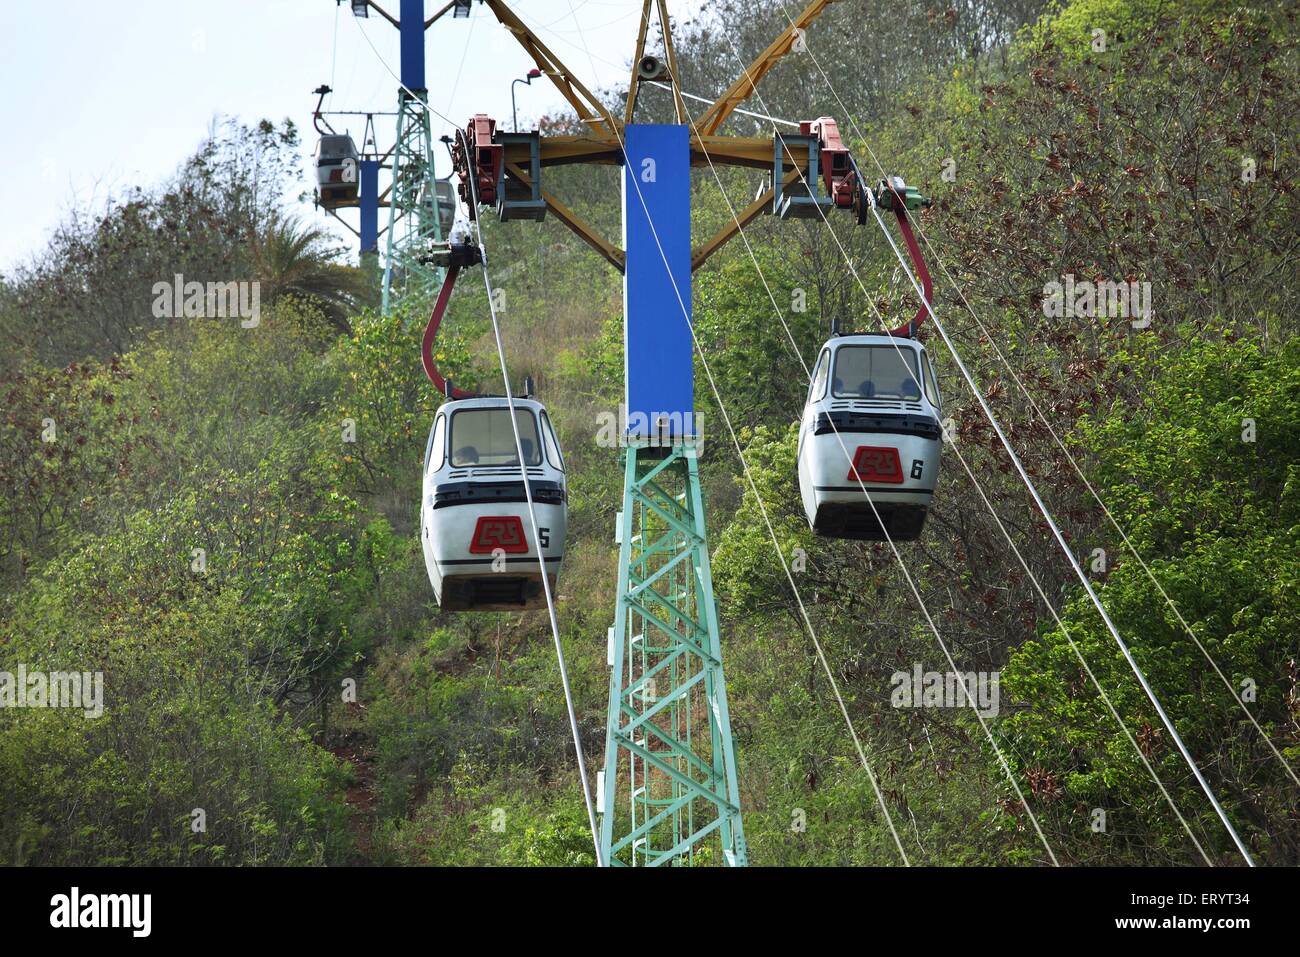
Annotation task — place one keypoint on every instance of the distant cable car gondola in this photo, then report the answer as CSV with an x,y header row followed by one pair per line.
x,y
336,170
870,439
441,202
480,546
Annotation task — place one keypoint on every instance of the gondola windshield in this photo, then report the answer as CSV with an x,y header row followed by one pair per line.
x,y
481,437
876,372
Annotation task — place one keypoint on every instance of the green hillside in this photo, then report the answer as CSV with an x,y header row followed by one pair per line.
x,y
224,519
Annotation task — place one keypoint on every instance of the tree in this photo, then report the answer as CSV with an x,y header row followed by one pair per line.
x,y
1215,511
293,259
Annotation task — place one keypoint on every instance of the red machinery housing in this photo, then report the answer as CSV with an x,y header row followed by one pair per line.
x,y
483,160
836,165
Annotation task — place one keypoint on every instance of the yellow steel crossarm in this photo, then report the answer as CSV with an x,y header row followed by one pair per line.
x,y
741,220
437,16
739,91
751,151
636,62
590,110
580,227
679,104
384,13
754,152
604,144
562,150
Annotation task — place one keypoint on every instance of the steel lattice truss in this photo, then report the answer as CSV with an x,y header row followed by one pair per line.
x,y
413,222
669,781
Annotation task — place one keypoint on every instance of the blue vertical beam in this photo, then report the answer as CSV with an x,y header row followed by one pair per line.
x,y
411,22
658,375
369,196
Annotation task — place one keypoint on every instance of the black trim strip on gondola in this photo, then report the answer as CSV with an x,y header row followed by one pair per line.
x,y
478,493
874,489
489,561
923,426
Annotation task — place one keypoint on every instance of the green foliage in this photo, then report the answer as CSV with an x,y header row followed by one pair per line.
x,y
64,439
290,454
1210,449
290,259
497,818
194,666
1215,517
759,376
213,672
1071,26
387,397
744,571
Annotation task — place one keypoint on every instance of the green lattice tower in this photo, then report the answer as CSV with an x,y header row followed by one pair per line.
x,y
413,221
668,793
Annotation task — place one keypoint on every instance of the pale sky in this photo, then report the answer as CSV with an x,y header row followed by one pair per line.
x,y
100,95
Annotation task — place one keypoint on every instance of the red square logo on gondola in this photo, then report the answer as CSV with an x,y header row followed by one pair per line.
x,y
874,464
505,532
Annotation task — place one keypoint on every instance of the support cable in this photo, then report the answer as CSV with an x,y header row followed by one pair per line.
x,y
893,547
532,518
1060,538
1078,653
528,491
821,654
1074,561
334,46
659,84
771,531
992,340
1128,543
925,299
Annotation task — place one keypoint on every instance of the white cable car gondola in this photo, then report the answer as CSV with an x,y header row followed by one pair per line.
x,y
871,423
474,523
337,166
483,547
440,202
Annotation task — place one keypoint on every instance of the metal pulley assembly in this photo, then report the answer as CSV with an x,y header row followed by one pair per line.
x,y
894,195
478,160
450,255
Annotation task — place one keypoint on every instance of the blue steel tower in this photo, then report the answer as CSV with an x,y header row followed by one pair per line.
x,y
668,726
668,792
